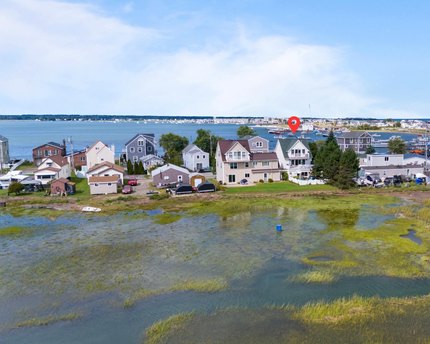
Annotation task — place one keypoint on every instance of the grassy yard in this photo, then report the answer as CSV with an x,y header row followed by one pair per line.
x,y
277,187
82,187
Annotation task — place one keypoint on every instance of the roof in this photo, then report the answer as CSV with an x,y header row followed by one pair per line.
x,y
191,148
3,139
103,179
51,169
150,157
54,144
107,165
225,146
149,137
96,143
166,167
353,134
392,167
264,156
286,144
63,180
59,160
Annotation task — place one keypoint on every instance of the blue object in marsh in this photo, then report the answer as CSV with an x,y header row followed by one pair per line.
x,y
279,228
419,181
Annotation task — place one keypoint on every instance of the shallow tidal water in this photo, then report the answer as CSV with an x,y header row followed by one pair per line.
x,y
88,264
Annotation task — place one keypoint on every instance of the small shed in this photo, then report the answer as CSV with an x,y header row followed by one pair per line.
x,y
62,186
197,179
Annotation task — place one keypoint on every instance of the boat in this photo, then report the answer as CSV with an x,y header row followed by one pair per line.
x,y
91,209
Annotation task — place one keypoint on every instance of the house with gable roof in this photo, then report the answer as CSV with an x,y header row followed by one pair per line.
x,y
47,150
139,146
106,169
359,141
295,157
51,168
195,159
236,160
99,153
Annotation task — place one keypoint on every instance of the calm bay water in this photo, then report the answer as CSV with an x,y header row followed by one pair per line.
x,y
25,135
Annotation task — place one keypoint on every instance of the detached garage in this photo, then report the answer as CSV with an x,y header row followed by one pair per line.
x,y
103,185
197,179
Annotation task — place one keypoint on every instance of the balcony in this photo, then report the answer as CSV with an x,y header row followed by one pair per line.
x,y
298,156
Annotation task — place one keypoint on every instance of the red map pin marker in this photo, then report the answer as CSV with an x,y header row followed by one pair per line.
x,y
294,123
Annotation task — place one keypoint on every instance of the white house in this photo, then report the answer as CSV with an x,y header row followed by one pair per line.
x,y
99,153
295,157
106,169
51,168
4,152
151,160
389,165
194,158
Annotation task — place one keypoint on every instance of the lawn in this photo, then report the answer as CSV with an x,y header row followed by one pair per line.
x,y
277,187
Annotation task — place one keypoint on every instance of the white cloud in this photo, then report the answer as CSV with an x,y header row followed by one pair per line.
x,y
72,58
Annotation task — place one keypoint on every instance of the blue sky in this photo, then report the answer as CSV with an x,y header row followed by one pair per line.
x,y
345,58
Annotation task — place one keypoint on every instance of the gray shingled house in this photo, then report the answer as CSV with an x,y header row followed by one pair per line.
x,y
139,146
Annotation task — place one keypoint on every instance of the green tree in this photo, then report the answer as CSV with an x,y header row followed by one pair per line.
x,y
244,130
173,145
326,161
207,142
396,146
348,167
130,169
141,168
370,150
15,187
136,168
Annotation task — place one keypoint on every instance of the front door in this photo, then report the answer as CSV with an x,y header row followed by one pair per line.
x,y
199,166
265,177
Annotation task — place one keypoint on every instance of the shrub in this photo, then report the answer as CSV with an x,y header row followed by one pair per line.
x,y
270,180
284,176
16,188
261,181
159,197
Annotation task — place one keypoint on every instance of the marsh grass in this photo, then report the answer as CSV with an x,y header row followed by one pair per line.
x,y
314,276
48,320
166,218
159,331
14,231
201,286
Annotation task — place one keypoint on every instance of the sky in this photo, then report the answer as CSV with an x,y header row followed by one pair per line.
x,y
319,58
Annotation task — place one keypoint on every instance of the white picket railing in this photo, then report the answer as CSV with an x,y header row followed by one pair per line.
x,y
307,181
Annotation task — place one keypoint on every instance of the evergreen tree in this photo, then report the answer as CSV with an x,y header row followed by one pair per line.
x,y
130,169
370,150
348,167
326,161
141,168
136,167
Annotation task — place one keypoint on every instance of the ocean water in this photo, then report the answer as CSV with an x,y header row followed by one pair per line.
x,y
25,135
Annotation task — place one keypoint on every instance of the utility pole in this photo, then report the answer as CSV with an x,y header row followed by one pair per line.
x,y
72,162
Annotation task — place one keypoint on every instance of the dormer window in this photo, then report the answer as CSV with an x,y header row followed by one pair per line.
x,y
140,143
259,144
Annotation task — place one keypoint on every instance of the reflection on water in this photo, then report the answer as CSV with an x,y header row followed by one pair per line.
x,y
87,264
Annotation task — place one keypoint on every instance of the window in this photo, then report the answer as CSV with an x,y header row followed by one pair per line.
x,y
233,165
230,155
246,164
198,157
135,158
231,178
243,155
82,158
96,184
109,184
140,149
387,158
149,149
204,156
254,163
46,152
132,149
140,142
246,175
259,144
166,178
179,178
265,163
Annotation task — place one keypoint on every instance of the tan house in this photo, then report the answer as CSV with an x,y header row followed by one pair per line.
x,y
103,185
237,161
51,168
106,169
99,153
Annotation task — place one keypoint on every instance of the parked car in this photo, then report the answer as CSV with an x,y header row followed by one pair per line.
x,y
206,187
244,182
132,182
389,181
127,189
